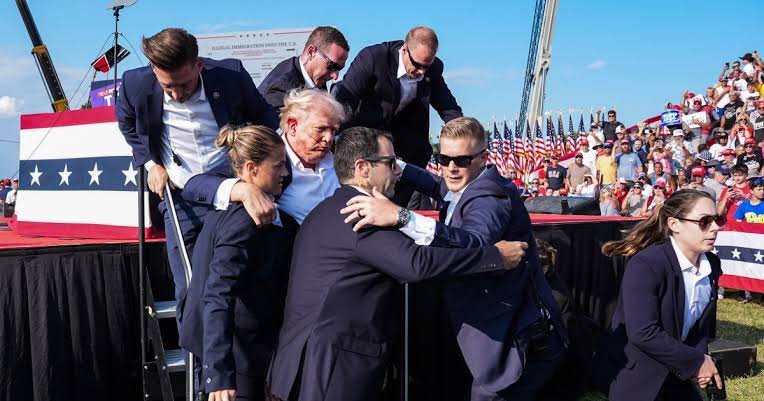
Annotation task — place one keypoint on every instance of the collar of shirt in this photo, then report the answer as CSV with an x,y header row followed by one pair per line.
x,y
361,190
198,96
402,74
704,266
294,160
308,80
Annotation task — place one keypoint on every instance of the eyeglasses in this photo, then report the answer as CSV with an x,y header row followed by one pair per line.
x,y
459,161
388,160
749,146
416,65
611,115
657,187
705,221
331,64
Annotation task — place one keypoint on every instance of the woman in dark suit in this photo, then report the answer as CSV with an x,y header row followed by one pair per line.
x,y
233,309
657,344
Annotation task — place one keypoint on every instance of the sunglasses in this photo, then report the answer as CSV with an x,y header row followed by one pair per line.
x,y
416,65
387,160
459,161
611,115
331,64
658,187
748,146
705,221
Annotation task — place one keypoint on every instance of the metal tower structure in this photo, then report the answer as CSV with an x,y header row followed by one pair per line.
x,y
539,58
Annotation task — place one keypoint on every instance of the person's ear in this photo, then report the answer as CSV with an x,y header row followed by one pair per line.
x,y
362,168
291,125
250,168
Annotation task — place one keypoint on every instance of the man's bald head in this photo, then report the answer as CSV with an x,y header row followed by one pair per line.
x,y
422,35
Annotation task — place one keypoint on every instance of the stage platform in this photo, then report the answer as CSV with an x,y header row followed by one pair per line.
x,y
71,310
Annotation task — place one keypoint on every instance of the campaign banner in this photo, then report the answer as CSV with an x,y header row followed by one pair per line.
x,y
102,93
740,246
670,117
259,51
77,177
695,119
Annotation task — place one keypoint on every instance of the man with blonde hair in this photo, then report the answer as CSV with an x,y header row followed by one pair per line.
x,y
508,326
391,86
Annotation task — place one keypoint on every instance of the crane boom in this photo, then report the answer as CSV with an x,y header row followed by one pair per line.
x,y
539,58
44,63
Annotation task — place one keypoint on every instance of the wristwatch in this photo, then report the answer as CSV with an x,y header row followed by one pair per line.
x,y
404,215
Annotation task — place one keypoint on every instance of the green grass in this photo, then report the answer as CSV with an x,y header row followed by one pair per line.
x,y
739,322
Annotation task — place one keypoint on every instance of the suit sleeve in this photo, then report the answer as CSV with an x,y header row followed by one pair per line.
x,y
428,184
202,188
274,95
357,82
396,255
125,113
229,260
258,110
641,304
441,98
484,223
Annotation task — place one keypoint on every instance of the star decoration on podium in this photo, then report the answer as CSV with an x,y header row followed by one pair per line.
x,y
64,175
95,174
736,253
35,176
130,174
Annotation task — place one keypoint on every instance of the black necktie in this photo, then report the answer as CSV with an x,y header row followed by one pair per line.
x,y
443,212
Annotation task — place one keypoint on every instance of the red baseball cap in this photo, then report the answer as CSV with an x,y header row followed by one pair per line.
x,y
750,141
728,152
698,171
584,141
625,142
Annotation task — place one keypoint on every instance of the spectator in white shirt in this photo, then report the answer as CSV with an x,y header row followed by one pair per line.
x,y
10,198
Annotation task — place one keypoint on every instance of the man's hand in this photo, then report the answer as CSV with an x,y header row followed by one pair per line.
x,y
511,252
707,372
375,210
258,204
157,179
222,395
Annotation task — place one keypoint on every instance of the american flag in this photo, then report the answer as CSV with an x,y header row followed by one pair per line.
x,y
519,149
561,146
496,157
550,137
509,147
433,166
529,163
540,147
740,246
581,131
571,144
72,190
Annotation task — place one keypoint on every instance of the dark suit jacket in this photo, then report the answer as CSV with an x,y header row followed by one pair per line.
x,y
343,308
372,91
233,308
488,313
229,88
282,78
643,345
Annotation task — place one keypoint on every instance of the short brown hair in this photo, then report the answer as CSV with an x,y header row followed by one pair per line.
x,y
171,49
355,143
422,35
324,36
248,142
463,127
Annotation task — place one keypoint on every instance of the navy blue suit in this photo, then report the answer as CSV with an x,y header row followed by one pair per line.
x,y
284,77
643,349
233,99
490,314
372,91
343,308
233,308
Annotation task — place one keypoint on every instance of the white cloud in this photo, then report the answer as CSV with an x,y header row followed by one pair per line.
x,y
597,65
9,106
471,74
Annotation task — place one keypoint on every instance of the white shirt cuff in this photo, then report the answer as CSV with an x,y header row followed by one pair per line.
x,y
420,228
223,195
149,164
401,164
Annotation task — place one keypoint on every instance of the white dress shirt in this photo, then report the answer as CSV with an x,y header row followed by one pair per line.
x,y
189,130
309,84
697,287
11,197
308,186
408,84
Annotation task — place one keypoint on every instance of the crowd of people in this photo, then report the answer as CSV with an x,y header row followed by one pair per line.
x,y
294,203
9,190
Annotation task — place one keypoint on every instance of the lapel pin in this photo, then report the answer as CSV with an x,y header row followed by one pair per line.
x,y
216,95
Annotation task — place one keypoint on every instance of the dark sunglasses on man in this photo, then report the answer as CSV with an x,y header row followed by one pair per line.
x,y
705,221
387,160
459,161
416,65
331,65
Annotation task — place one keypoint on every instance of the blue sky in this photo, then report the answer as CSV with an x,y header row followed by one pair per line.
x,y
634,56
